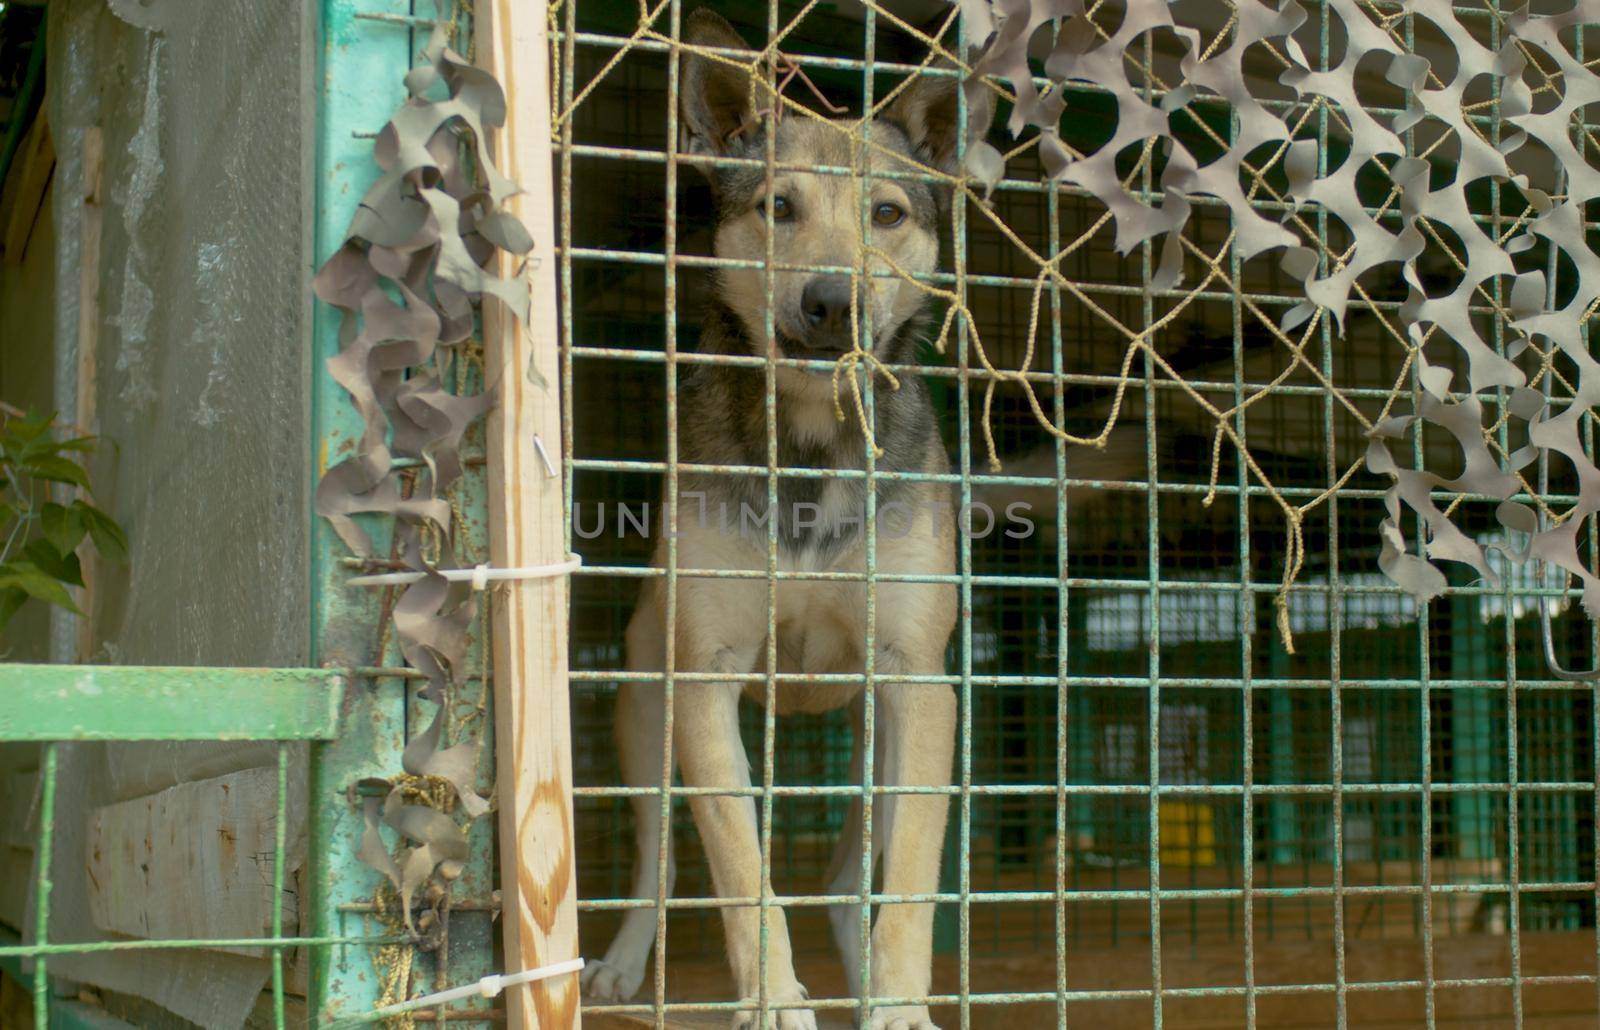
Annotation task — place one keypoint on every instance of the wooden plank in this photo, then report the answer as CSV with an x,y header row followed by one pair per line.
x,y
533,735
30,179
147,702
192,861
91,217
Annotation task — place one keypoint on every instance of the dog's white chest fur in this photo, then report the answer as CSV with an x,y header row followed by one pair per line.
x,y
839,516
811,422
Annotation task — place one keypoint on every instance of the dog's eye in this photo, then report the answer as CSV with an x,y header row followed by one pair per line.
x,y
782,210
887,215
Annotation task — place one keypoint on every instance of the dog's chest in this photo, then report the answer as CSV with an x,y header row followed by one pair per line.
x,y
820,512
820,519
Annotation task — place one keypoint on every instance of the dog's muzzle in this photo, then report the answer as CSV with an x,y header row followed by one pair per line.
x,y
825,312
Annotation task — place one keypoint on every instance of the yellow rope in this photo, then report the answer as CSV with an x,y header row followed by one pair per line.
x,y
392,961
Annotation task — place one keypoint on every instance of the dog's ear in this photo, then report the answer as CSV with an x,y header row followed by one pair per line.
x,y
927,111
715,94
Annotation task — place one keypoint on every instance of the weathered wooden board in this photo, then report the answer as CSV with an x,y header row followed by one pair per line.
x,y
533,732
91,218
193,861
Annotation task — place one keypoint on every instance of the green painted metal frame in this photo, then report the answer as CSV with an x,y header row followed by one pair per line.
x,y
49,1011
358,85
133,702
364,48
65,1013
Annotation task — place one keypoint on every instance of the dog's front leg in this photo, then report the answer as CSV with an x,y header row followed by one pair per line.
x,y
844,874
918,726
641,731
711,754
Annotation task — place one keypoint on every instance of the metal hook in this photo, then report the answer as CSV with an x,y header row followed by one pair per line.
x,y
1546,627
1556,668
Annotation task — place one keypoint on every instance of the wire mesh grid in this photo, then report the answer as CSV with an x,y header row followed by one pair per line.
x,y
1144,772
42,948
1160,812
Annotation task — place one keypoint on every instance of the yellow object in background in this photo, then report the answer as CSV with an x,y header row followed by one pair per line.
x,y
1188,833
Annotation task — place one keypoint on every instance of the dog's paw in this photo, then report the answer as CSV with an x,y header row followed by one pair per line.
x,y
603,981
900,1017
783,1019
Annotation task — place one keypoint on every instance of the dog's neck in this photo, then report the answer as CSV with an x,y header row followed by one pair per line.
x,y
806,402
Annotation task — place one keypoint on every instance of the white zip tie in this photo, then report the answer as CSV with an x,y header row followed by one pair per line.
x,y
480,576
488,987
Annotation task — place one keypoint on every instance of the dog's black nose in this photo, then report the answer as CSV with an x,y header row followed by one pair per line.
x,y
826,302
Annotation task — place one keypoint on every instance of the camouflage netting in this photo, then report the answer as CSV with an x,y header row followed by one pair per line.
x,y
1486,104
425,229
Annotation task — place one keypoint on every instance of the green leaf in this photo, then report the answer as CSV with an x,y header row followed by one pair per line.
x,y
59,469
22,430
11,598
49,445
64,527
109,539
35,583
59,565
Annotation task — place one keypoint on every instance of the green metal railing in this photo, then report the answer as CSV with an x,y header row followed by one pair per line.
x,y
54,703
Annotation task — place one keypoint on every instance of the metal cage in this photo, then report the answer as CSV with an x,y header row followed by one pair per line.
x,y
1161,813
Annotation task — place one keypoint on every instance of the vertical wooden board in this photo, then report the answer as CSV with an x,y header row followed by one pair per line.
x,y
194,860
90,220
533,735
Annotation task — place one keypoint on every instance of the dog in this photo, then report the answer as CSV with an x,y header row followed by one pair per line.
x,y
721,623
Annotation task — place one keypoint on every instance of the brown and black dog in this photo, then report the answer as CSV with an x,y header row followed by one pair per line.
x,y
721,623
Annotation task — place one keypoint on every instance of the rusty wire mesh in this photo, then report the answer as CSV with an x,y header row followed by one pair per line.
x,y
1214,763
